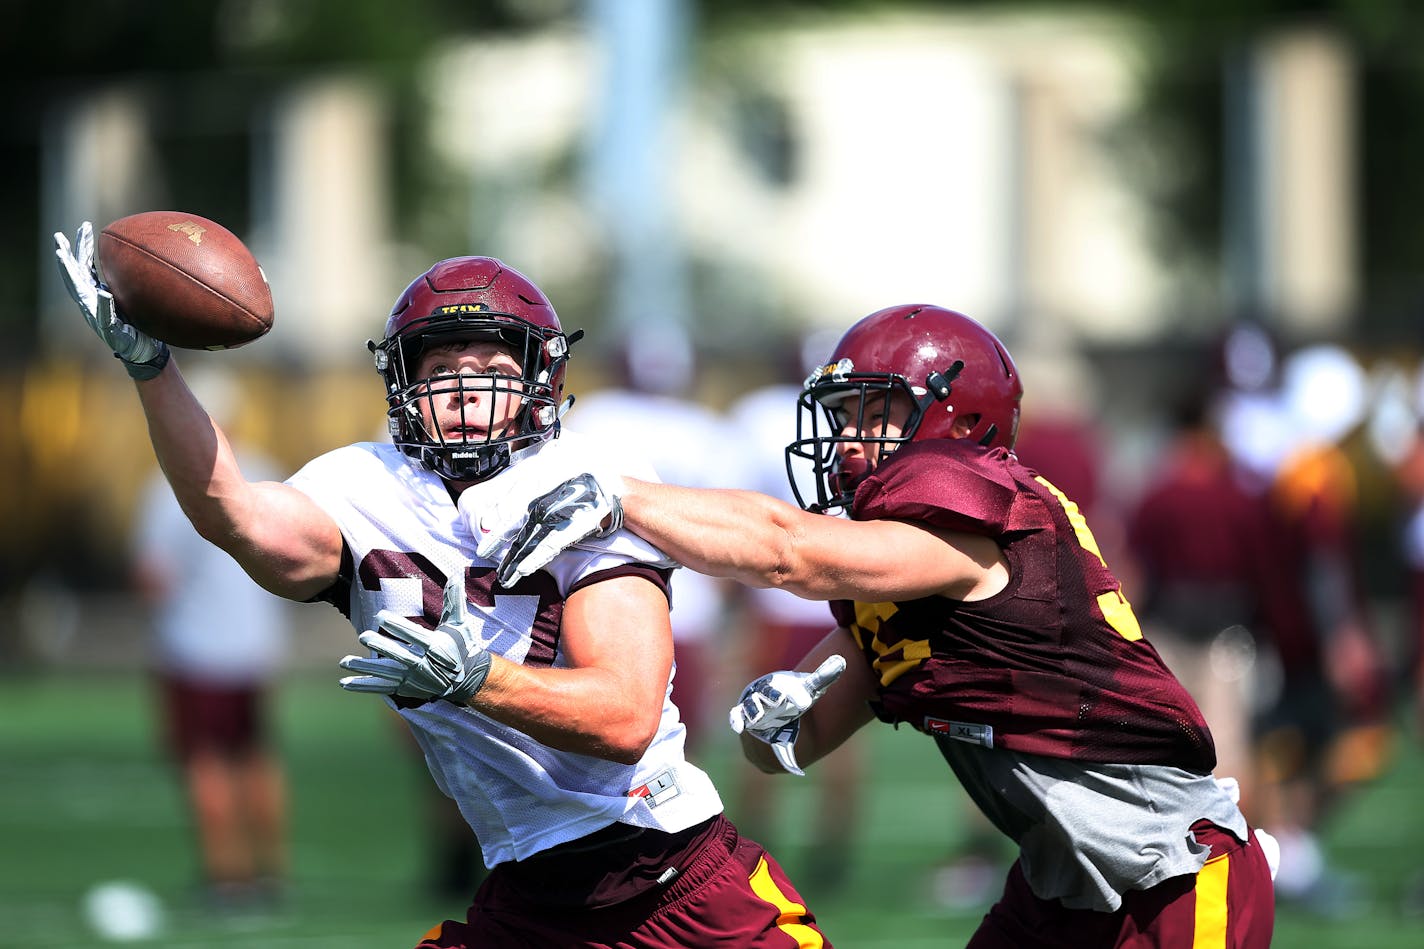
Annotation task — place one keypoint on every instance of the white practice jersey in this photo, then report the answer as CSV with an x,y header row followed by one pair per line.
x,y
406,536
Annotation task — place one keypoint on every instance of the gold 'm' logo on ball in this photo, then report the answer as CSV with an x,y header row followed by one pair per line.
x,y
194,231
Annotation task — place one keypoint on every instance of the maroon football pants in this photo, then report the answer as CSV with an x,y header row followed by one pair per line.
x,y
732,893
1229,904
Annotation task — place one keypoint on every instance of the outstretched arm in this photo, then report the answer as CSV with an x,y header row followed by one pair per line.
x,y
763,542
279,536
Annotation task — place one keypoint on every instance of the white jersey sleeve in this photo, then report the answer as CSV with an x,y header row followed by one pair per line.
x,y
405,536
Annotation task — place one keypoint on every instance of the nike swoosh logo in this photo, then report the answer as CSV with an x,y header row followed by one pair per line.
x,y
574,491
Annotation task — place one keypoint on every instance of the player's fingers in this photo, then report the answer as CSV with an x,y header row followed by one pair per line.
x,y
826,673
392,621
532,559
63,251
507,573
511,571
369,684
544,536
516,562
398,627
388,647
369,665
454,606
69,270
770,713
84,244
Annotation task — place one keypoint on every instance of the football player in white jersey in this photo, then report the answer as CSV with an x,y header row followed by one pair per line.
x,y
542,708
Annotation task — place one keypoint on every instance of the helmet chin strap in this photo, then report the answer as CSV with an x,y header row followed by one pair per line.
x,y
473,464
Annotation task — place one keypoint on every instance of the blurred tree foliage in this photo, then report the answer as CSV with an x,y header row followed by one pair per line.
x,y
49,49
1194,47
218,59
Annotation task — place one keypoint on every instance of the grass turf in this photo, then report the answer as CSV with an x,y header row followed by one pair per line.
x,y
86,797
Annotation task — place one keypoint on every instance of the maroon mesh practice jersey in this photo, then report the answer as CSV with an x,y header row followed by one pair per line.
x,y
1054,664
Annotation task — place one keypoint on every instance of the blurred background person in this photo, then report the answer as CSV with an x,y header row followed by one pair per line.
x,y
649,409
1060,435
219,641
1321,725
775,628
1411,475
1197,540
1396,434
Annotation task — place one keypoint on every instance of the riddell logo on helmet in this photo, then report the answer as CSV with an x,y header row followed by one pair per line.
x,y
461,308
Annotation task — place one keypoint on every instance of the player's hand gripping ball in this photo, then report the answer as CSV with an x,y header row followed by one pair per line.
x,y
185,280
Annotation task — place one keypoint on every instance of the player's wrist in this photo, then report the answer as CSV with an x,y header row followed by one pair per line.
x,y
614,521
149,368
476,670
759,754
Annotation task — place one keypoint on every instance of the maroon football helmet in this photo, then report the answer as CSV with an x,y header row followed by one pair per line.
x,y
459,300
948,365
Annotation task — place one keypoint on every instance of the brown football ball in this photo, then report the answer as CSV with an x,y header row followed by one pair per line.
x,y
185,280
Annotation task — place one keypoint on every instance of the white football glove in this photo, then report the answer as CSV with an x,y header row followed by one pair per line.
x,y
446,662
559,519
771,707
143,356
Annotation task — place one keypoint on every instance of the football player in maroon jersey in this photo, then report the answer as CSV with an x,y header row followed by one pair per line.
x,y
972,604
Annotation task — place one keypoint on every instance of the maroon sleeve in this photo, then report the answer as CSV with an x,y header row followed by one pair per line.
x,y
339,593
657,576
952,484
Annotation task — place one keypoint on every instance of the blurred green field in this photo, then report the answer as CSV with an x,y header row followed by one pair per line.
x,y
86,797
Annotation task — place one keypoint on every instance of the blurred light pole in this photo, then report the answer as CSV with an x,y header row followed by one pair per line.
x,y
644,47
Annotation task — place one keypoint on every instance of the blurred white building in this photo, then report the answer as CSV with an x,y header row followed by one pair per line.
x,y
820,168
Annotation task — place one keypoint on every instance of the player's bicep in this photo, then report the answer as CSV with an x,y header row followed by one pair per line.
x,y
290,545
621,626
885,560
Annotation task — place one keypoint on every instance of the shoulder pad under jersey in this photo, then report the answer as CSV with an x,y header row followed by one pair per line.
x,y
949,483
